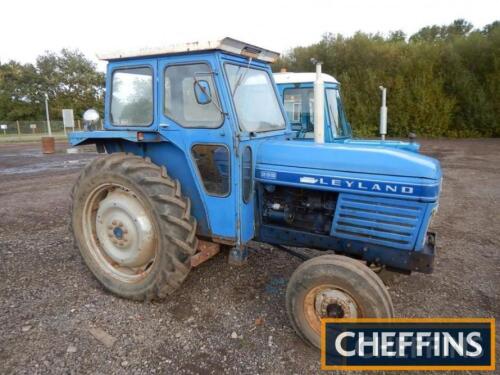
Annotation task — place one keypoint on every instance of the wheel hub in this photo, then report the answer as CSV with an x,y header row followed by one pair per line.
x,y
333,303
125,230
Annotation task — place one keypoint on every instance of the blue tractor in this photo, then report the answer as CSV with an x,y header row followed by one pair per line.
x,y
198,153
297,93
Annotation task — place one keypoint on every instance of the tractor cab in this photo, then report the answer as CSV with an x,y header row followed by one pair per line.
x,y
297,93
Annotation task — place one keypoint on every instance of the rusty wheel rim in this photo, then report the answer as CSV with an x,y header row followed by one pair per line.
x,y
328,301
119,232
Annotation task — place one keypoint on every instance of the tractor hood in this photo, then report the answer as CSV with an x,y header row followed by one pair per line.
x,y
349,158
402,145
367,169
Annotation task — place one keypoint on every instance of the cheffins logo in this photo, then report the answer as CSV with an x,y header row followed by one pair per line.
x,y
408,344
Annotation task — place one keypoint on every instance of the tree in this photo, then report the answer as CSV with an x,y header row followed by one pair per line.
x,y
69,79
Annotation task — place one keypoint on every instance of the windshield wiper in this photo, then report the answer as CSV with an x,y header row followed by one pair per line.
x,y
240,78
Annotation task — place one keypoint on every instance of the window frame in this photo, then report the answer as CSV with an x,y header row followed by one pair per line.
x,y
217,96
341,114
128,67
296,112
198,173
276,93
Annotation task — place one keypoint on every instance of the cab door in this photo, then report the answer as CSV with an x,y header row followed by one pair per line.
x,y
191,109
258,117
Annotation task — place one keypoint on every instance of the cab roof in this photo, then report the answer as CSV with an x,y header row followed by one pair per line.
x,y
287,77
229,45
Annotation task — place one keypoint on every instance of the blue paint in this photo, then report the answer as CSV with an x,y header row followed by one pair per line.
x,y
388,222
85,137
348,158
378,186
365,174
118,232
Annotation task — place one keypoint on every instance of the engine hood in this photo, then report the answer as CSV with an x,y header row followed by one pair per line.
x,y
367,170
402,145
350,158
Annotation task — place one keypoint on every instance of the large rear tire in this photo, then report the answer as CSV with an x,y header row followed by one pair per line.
x,y
132,226
333,286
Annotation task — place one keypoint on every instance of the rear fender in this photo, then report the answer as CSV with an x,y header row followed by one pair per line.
x,y
102,136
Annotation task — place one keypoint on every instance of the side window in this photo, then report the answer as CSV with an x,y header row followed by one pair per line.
x,y
247,174
181,104
132,97
213,166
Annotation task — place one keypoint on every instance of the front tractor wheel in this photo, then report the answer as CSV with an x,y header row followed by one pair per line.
x,y
333,286
133,227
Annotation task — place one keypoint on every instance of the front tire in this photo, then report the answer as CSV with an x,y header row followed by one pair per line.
x,y
132,226
333,286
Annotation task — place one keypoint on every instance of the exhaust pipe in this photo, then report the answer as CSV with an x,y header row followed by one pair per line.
x,y
383,114
319,105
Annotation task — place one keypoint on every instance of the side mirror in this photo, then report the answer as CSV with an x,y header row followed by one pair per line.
x,y
90,118
202,92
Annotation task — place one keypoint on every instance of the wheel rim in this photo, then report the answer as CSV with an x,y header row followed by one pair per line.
x,y
119,232
328,301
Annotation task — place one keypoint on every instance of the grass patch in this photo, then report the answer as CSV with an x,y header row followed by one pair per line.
x,y
27,138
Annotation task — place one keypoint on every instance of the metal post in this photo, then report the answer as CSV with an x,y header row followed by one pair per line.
x,y
319,106
383,114
47,113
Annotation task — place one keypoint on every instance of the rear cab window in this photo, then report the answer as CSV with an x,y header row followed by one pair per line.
x,y
132,96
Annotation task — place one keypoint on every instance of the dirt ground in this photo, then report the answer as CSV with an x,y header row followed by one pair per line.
x,y
49,300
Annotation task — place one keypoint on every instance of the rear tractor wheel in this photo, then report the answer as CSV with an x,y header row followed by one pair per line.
x,y
333,286
133,226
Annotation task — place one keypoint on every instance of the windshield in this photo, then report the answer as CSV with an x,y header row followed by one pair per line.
x,y
299,106
335,113
255,100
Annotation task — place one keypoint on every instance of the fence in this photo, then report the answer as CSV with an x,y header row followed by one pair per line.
x,y
20,128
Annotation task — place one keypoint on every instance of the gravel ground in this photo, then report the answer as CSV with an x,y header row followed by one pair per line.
x,y
223,319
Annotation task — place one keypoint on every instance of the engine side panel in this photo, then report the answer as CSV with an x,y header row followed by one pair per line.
x,y
382,221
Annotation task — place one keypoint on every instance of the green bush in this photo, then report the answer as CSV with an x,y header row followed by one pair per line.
x,y
442,81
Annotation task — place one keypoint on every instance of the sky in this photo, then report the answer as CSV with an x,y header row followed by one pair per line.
x,y
30,27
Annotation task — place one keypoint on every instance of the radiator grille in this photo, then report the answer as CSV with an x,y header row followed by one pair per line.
x,y
384,221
